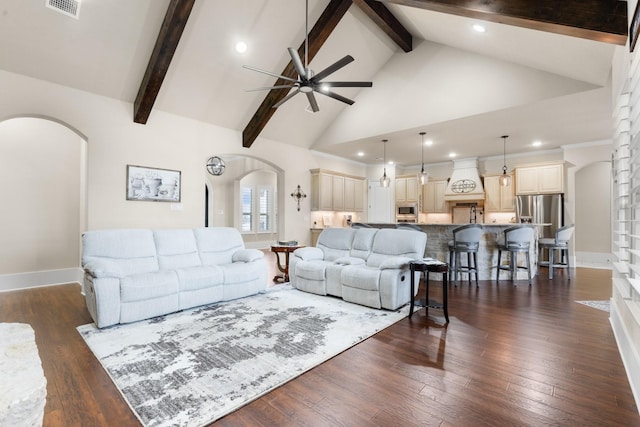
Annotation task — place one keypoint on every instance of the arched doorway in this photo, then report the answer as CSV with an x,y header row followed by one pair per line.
x,y
43,166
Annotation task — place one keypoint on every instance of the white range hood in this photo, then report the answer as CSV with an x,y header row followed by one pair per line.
x,y
465,183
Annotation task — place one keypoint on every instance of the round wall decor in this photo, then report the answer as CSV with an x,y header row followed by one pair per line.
x,y
215,165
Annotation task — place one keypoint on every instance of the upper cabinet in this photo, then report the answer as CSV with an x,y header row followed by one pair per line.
x,y
332,191
498,198
540,179
407,189
433,197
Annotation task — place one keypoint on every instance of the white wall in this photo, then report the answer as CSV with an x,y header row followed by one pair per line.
x,y
40,168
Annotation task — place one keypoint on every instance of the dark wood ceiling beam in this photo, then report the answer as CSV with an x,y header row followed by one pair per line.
x,y
317,37
387,22
600,20
173,25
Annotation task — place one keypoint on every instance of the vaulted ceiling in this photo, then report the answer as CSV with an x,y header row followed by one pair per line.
x,y
541,70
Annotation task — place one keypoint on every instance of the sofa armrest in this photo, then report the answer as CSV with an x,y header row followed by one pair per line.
x,y
309,253
103,268
247,255
396,262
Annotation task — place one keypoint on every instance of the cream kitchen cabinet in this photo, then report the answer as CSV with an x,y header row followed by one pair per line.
x,y
498,198
331,191
407,189
353,194
540,179
433,197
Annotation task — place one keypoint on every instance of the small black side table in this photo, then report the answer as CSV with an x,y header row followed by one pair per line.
x,y
426,267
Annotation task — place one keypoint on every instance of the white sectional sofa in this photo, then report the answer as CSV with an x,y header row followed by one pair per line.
x,y
135,274
366,266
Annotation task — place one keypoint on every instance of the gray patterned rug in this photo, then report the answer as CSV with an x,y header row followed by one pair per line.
x,y
599,305
193,367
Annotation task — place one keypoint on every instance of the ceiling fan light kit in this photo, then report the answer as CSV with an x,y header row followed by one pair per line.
x,y
309,82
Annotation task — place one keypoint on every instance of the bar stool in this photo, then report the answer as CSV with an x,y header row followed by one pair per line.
x,y
516,239
559,243
466,239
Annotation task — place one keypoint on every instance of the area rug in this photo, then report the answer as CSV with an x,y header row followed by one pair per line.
x,y
193,367
600,305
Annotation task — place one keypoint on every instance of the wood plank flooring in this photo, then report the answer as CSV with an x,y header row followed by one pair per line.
x,y
511,356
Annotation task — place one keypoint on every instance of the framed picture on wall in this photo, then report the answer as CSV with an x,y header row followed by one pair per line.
x,y
153,184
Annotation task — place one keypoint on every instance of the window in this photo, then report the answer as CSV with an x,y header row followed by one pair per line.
x,y
258,209
264,210
246,197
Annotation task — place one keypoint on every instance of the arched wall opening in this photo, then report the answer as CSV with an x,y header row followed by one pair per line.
x,y
223,204
43,164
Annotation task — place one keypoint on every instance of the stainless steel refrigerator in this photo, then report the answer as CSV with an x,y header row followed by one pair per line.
x,y
541,209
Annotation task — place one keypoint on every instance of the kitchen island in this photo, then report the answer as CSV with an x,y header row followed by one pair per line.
x,y
439,235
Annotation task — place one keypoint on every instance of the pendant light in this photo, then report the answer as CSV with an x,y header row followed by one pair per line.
x,y
385,181
422,176
505,180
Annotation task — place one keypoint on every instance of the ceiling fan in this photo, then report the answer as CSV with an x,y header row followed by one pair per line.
x,y
309,82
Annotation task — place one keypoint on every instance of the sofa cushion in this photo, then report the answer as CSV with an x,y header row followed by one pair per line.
x,y
238,273
363,242
126,251
146,286
309,253
393,242
347,260
218,244
361,277
176,249
311,270
199,277
335,242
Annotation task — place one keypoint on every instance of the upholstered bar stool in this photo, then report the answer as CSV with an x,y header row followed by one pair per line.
x,y
516,239
466,239
559,244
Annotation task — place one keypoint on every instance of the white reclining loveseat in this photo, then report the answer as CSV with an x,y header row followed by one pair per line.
x,y
366,266
135,274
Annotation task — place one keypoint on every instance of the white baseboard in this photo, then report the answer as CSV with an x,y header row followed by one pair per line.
x,y
594,260
628,353
34,279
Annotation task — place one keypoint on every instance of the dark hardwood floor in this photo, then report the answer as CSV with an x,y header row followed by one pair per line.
x,y
511,356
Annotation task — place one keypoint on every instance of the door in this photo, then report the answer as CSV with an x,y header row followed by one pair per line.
x,y
380,205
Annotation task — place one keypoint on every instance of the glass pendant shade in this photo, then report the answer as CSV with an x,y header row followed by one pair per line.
x,y
505,180
423,176
385,181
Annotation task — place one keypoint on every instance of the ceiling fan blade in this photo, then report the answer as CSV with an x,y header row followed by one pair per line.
x,y
333,68
269,88
297,63
313,102
346,84
270,73
286,98
336,96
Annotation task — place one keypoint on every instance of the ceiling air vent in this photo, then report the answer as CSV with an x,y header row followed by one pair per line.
x,y
67,7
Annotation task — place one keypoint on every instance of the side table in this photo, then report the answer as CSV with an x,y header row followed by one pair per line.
x,y
430,266
283,268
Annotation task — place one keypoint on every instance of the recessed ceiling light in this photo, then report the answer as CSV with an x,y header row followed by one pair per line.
x,y
537,143
452,155
241,47
479,28
360,153
428,142
390,162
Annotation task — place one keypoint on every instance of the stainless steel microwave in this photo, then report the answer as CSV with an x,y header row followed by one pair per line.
x,y
408,209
